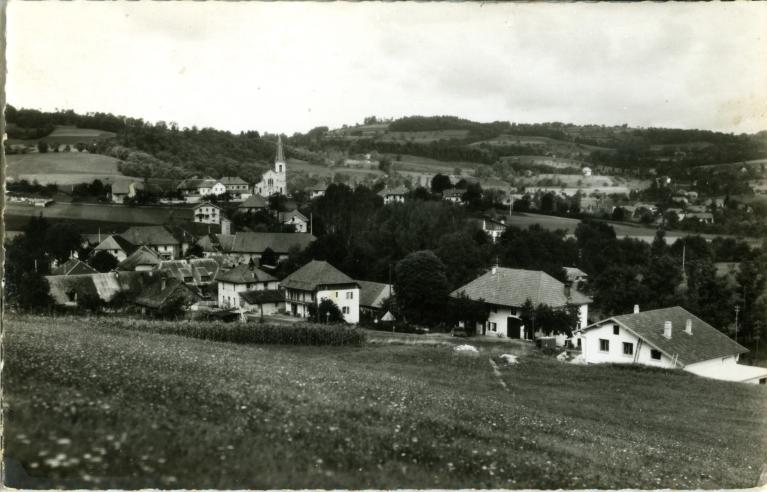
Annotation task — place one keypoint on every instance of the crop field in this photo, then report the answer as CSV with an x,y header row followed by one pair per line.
x,y
62,167
424,136
87,405
73,135
552,143
102,212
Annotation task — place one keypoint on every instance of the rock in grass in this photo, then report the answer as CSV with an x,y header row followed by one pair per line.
x,y
509,358
563,357
466,350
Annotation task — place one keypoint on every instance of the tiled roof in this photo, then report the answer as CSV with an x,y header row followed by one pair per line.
x,y
263,296
104,285
253,201
206,204
243,274
513,287
141,257
116,242
705,343
314,274
399,190
372,293
279,242
152,235
201,270
286,216
232,180
156,294
73,266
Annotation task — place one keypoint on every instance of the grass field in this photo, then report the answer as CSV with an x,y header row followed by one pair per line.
x,y
62,167
88,406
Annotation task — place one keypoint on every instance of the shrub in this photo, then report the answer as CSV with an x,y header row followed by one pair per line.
x,y
245,333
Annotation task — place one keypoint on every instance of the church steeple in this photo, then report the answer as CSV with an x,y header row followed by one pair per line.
x,y
279,159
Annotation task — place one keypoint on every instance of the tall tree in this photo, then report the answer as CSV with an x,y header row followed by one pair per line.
x,y
421,287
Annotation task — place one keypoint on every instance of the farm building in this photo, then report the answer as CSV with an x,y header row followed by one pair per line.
x,y
506,290
253,204
702,217
393,195
317,191
193,189
142,260
193,271
207,213
372,297
237,187
73,266
318,280
575,276
123,189
294,218
274,180
669,338
68,290
262,302
242,278
117,246
168,241
252,245
162,292
454,195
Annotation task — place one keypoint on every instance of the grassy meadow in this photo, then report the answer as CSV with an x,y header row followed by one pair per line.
x,y
62,167
87,404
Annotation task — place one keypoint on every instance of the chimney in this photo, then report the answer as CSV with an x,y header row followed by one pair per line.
x,y
636,308
667,329
688,327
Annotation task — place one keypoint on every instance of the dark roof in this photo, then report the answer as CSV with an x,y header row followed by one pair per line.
x,y
73,266
152,234
232,180
244,274
156,294
104,285
279,242
705,343
142,256
253,201
512,287
263,296
314,274
116,242
371,292
197,268
399,190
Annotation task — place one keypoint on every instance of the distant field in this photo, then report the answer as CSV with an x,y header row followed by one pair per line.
x,y
62,167
755,163
502,140
542,160
103,408
423,137
68,135
100,212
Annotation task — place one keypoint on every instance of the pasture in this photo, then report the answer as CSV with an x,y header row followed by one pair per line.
x,y
64,168
88,405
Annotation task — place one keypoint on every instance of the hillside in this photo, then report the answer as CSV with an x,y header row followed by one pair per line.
x,y
62,168
108,408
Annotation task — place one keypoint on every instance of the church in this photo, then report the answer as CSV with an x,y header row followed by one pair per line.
x,y
274,181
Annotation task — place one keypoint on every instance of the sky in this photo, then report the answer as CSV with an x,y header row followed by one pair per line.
x,y
289,67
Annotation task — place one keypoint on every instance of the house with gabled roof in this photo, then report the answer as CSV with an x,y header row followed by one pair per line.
x,y
122,189
238,188
242,278
161,291
192,271
670,338
506,290
117,246
253,204
294,218
251,245
73,266
68,290
317,280
454,195
169,242
393,195
317,190
208,213
372,297
142,260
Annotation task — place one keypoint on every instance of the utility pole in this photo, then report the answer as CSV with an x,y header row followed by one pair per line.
x,y
737,310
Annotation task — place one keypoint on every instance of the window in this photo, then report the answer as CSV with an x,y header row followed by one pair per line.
x,y
492,326
655,354
616,330
604,345
345,309
628,348
335,294
350,295
188,279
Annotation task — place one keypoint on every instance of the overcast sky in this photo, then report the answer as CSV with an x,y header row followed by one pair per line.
x,y
292,66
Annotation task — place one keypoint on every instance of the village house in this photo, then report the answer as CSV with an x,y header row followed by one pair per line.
x,y
199,272
248,246
372,297
317,191
117,246
494,226
142,260
318,280
262,302
162,292
123,189
575,276
207,213
702,217
238,188
193,189
393,195
73,266
28,199
506,290
69,290
294,218
252,204
169,242
240,279
454,195
670,338
274,180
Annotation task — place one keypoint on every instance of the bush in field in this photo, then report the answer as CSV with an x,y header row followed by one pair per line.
x,y
244,333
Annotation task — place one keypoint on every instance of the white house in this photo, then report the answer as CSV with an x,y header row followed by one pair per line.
x,y
454,195
217,189
207,213
195,188
241,279
117,246
318,280
274,180
237,187
393,195
123,189
506,290
294,218
670,338
317,191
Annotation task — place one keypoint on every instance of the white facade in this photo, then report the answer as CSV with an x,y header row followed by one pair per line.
x,y
207,213
218,189
503,321
608,343
347,299
228,292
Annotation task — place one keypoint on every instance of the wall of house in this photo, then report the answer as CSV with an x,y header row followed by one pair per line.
x,y
228,293
268,308
583,315
592,353
497,322
347,300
